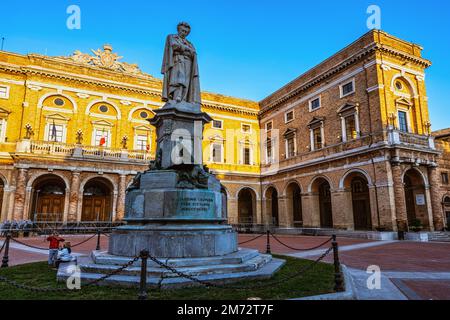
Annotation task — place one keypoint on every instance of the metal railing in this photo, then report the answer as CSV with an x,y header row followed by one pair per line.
x,y
54,148
89,152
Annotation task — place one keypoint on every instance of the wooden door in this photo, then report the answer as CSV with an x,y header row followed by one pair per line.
x,y
50,208
361,204
275,218
96,208
326,210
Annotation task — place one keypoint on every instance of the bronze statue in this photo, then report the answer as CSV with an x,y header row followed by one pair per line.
x,y
180,68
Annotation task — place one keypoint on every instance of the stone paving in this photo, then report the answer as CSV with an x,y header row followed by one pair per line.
x,y
409,270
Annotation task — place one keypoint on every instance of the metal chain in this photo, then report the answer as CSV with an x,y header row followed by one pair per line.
x,y
36,289
39,248
27,245
228,287
3,246
30,288
84,241
297,249
261,235
117,271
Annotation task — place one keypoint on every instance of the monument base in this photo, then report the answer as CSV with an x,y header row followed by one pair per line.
x,y
174,240
245,264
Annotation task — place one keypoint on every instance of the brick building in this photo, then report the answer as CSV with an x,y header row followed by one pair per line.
x,y
443,144
355,150
346,145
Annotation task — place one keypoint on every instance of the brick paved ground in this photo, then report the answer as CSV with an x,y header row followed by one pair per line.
x,y
402,256
429,289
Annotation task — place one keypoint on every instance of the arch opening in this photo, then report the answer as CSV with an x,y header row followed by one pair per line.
x,y
446,205
416,203
48,200
361,203
246,206
322,187
272,206
224,193
97,201
294,204
2,192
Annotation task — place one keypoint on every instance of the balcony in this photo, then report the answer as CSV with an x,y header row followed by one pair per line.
x,y
78,151
407,139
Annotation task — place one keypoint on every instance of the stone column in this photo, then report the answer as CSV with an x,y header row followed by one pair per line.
x,y
232,207
74,196
438,214
310,210
342,209
259,211
121,197
400,201
19,199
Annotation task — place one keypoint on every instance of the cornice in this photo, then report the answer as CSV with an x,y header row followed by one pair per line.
x,y
372,48
27,70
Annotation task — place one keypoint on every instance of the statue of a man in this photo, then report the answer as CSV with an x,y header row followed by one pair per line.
x,y
180,68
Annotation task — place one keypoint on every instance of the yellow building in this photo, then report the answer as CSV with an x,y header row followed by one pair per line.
x,y
74,132
347,145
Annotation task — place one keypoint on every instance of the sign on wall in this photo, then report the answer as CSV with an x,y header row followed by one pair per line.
x,y
420,199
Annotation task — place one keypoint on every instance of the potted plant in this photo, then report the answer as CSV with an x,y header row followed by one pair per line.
x,y
416,225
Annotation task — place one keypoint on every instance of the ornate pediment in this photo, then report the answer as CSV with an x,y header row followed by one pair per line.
x,y
102,123
105,59
404,102
347,108
217,138
316,121
289,131
57,116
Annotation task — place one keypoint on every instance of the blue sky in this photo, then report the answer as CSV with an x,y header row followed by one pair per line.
x,y
247,48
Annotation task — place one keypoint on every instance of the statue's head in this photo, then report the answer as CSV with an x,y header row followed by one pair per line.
x,y
183,29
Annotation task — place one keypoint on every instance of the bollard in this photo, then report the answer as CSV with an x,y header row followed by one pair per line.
x,y
338,280
98,240
5,259
143,284
268,250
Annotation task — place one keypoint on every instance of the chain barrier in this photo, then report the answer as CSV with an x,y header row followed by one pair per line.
x,y
84,241
3,246
230,287
115,272
28,245
304,249
67,290
251,240
40,248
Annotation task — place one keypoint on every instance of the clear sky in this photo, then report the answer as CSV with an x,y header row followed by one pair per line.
x,y
247,48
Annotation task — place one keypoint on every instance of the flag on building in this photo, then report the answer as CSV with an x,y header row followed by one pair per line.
x,y
103,139
147,147
54,136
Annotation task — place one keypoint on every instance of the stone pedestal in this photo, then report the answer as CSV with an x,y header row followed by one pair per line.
x,y
174,211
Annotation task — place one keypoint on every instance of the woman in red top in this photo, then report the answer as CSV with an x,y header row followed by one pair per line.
x,y
54,240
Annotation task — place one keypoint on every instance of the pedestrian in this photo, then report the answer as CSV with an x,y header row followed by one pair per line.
x,y
53,248
65,254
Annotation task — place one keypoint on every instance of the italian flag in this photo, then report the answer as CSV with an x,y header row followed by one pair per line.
x,y
103,139
148,142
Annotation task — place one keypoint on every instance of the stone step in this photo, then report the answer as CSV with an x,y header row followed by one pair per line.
x,y
248,266
238,257
265,272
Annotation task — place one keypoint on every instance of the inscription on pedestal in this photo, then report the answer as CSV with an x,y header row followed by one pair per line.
x,y
196,204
